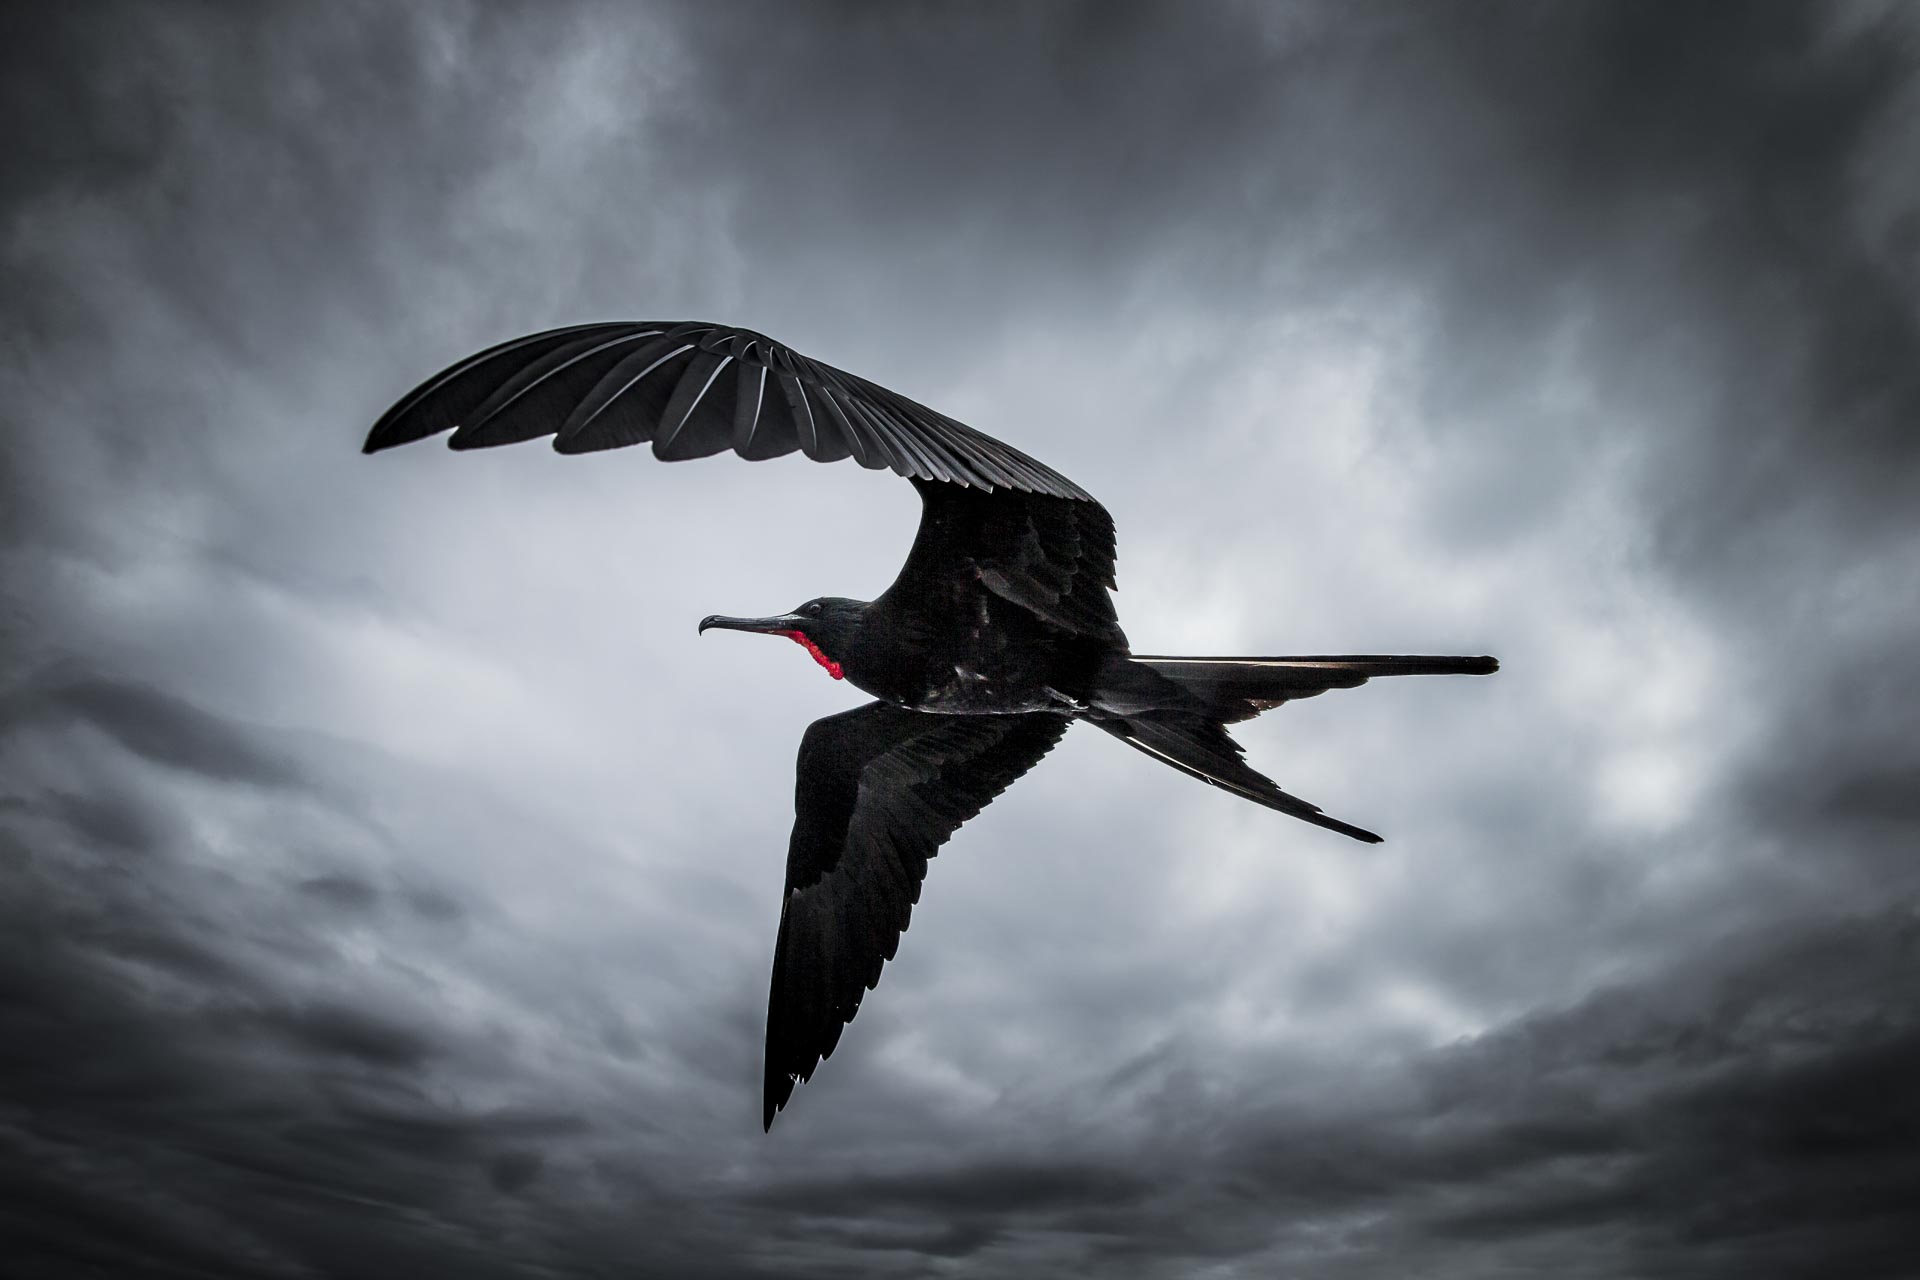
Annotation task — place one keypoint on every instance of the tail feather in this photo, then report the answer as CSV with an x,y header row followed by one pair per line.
x,y
1236,689
1177,710
1200,748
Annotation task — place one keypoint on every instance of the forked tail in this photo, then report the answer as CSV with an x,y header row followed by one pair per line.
x,y
1201,749
1177,709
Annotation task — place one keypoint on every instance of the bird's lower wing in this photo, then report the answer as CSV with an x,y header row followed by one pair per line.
x,y
878,791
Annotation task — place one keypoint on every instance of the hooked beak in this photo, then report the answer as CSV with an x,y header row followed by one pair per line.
x,y
766,626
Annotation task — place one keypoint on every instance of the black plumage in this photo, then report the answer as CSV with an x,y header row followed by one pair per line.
x,y
879,790
998,633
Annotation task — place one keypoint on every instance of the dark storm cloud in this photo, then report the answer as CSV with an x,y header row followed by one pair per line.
x,y
1699,183
339,944
342,892
513,1171
350,1033
104,820
162,728
169,1103
1756,1102
991,1189
1582,155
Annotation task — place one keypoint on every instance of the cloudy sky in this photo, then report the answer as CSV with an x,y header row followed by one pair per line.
x,y
388,873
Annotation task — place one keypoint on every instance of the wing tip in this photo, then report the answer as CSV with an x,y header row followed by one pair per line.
x,y
382,437
1347,829
1320,819
399,426
779,1090
464,440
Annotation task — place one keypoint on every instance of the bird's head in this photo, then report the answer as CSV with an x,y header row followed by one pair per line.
x,y
824,627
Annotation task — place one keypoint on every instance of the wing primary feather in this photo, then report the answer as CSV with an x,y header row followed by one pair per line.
x,y
869,449
851,434
961,470
490,424
439,403
914,459
1003,457
894,429
1025,468
888,449
694,384
1018,477
746,413
618,381
802,414
985,469
933,455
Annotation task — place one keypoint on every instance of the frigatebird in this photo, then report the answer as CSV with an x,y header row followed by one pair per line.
x,y
997,635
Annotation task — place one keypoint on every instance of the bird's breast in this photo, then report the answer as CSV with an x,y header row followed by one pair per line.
x,y
967,661
971,692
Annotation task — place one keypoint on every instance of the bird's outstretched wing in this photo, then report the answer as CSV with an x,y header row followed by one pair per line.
x,y
878,791
693,389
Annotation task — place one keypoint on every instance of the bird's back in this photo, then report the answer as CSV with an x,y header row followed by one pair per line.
x,y
1003,605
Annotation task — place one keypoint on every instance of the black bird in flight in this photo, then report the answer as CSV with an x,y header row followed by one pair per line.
x,y
997,635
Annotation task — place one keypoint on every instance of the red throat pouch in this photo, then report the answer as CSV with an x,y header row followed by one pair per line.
x,y
819,654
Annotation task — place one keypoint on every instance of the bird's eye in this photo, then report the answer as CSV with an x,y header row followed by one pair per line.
x,y
812,610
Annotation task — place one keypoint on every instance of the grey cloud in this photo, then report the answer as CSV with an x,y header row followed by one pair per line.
x,y
431,905
164,729
1713,168
387,878
1682,1118
1751,1099
350,1033
513,1171
1674,1126
342,892
104,819
1013,1187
